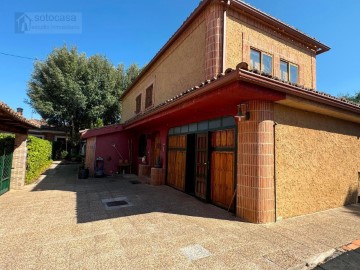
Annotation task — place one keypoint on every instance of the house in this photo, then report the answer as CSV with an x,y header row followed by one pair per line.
x,y
57,135
13,157
229,106
49,132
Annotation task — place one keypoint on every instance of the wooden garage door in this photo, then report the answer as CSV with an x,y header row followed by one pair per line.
x,y
176,169
222,167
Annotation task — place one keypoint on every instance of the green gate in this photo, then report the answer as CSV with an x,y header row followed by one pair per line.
x,y
6,154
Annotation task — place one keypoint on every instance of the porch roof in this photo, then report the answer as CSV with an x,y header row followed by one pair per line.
x,y
88,133
11,121
251,77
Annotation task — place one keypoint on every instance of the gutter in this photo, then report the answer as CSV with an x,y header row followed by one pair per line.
x,y
257,79
242,74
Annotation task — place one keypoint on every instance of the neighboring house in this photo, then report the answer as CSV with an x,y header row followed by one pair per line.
x,y
13,157
229,106
50,133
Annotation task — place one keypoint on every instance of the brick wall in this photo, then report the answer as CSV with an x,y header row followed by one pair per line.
x,y
19,162
255,175
214,40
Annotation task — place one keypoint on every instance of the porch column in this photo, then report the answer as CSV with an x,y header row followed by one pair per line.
x,y
19,162
255,175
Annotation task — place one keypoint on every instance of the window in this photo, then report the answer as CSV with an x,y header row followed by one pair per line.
x,y
138,104
260,61
289,72
149,96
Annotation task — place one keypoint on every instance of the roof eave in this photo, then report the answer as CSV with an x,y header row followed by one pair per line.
x,y
310,94
318,47
172,39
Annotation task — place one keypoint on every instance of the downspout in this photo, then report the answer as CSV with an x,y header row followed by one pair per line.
x,y
274,126
227,4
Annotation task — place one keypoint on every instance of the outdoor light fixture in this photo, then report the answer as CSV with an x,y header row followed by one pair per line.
x,y
243,112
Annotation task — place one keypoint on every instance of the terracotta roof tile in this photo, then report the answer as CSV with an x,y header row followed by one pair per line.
x,y
243,68
19,118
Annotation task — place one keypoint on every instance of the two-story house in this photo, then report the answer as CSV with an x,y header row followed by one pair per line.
x,y
229,107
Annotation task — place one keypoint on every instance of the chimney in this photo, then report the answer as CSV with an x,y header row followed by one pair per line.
x,y
19,111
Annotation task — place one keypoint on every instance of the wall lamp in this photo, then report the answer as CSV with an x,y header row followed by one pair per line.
x,y
243,113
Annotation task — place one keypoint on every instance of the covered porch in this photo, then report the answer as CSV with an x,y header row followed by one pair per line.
x,y
13,157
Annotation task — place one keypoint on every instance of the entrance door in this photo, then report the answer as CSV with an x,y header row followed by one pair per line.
x,y
201,165
6,152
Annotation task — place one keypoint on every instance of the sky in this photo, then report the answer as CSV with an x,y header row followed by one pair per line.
x,y
134,31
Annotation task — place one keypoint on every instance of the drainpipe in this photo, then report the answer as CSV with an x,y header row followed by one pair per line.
x,y
274,126
227,4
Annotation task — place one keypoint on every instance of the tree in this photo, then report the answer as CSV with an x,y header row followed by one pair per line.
x,y
355,98
70,90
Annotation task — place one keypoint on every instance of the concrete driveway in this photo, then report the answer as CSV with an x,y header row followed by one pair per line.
x,y
63,223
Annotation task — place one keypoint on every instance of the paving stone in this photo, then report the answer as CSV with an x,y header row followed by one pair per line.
x,y
67,227
195,252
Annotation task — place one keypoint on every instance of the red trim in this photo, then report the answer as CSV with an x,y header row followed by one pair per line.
x,y
101,131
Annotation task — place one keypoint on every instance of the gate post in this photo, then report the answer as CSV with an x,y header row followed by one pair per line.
x,y
19,162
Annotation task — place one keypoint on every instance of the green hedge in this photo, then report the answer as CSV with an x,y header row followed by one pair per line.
x,y
7,140
38,158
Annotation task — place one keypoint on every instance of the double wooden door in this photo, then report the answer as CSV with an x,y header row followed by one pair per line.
x,y
214,165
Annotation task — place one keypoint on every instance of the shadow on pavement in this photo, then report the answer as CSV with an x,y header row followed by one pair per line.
x,y
143,198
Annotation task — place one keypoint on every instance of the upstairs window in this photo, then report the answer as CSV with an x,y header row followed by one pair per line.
x,y
149,96
261,61
138,104
289,72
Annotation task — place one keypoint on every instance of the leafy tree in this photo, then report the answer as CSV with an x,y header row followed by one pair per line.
x,y
71,90
355,98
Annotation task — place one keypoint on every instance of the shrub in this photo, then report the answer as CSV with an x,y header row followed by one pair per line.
x,y
7,140
38,158
64,154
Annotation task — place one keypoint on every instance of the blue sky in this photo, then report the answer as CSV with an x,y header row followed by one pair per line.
x,y
133,31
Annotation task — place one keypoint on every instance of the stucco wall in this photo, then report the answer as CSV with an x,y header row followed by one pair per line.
x,y
181,67
317,162
111,155
242,33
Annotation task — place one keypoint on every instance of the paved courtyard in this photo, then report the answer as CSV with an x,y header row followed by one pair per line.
x,y
62,223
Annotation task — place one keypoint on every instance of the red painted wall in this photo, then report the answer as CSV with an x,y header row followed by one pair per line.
x,y
105,149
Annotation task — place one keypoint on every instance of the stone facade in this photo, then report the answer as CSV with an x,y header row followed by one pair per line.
x,y
19,162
